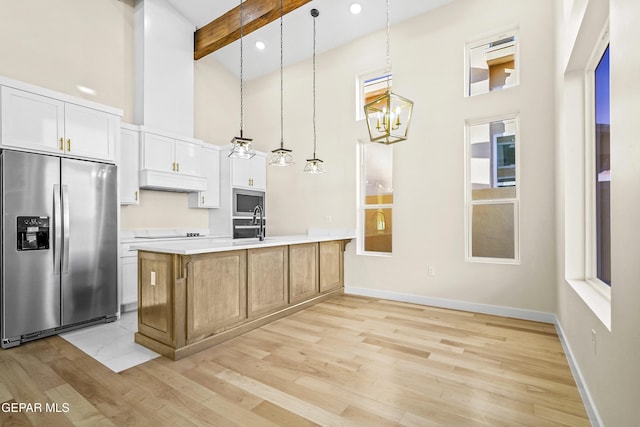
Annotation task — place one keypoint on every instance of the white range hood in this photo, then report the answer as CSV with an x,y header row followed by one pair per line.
x,y
164,87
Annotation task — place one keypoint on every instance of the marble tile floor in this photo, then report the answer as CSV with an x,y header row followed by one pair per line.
x,y
112,343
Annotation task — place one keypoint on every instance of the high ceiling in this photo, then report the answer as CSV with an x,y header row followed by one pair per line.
x,y
335,26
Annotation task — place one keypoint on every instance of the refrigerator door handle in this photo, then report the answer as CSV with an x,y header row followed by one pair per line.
x,y
57,229
65,229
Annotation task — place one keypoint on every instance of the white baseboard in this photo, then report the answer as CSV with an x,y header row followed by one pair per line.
x,y
517,313
589,405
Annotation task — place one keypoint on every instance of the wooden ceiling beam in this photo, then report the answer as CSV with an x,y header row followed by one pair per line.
x,y
226,29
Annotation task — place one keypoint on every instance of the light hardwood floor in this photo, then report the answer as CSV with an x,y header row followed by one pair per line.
x,y
347,361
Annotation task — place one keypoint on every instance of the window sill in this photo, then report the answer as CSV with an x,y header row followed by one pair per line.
x,y
375,254
596,297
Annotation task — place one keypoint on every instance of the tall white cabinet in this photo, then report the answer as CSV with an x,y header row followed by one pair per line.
x,y
129,165
210,165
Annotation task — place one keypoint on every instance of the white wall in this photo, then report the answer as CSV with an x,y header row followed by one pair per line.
x,y
428,66
610,368
59,44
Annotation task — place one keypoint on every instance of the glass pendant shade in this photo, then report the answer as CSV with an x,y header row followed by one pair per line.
x,y
314,166
388,118
281,157
242,148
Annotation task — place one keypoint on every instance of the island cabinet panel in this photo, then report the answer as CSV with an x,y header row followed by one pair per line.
x,y
303,271
267,279
155,296
331,265
190,302
216,293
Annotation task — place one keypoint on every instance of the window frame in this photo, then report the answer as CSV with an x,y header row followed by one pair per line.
x,y
362,206
591,254
500,35
470,203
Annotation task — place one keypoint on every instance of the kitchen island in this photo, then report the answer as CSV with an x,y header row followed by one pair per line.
x,y
195,294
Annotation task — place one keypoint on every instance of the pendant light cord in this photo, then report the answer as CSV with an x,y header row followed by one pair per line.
x,y
281,82
314,86
241,74
388,47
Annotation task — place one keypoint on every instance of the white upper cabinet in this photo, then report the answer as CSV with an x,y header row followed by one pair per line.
x,y
31,121
129,166
34,122
188,158
211,171
249,173
171,163
166,154
158,153
89,133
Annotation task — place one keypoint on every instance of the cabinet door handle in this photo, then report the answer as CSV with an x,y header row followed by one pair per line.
x,y
177,167
173,166
61,144
69,144
203,200
136,196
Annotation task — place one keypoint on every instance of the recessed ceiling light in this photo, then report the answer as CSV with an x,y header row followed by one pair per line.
x,y
260,45
355,8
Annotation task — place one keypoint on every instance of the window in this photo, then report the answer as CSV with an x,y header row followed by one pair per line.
x,y
602,169
375,225
492,64
581,174
370,87
492,194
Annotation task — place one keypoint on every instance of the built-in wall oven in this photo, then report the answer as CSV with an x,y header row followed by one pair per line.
x,y
245,226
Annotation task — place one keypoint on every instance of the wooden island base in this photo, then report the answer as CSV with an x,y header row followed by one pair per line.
x,y
188,303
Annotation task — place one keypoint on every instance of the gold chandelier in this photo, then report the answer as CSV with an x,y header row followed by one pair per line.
x,y
388,116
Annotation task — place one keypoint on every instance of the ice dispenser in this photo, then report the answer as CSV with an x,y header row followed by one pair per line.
x,y
33,233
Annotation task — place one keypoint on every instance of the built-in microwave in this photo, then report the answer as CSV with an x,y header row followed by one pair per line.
x,y
245,201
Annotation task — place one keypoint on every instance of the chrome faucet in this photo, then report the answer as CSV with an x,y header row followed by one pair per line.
x,y
258,214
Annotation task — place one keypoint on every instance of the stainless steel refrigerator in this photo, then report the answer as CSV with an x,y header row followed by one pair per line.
x,y
59,245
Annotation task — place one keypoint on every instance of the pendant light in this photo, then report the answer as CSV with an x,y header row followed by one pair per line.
x,y
388,116
281,156
241,147
314,165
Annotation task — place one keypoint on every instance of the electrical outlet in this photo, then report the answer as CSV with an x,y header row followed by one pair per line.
x,y
153,278
431,270
594,340
328,219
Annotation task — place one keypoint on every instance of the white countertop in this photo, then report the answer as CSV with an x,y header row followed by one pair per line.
x,y
207,245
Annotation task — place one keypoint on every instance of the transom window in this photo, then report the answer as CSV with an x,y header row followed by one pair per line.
x,y
492,64
370,87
